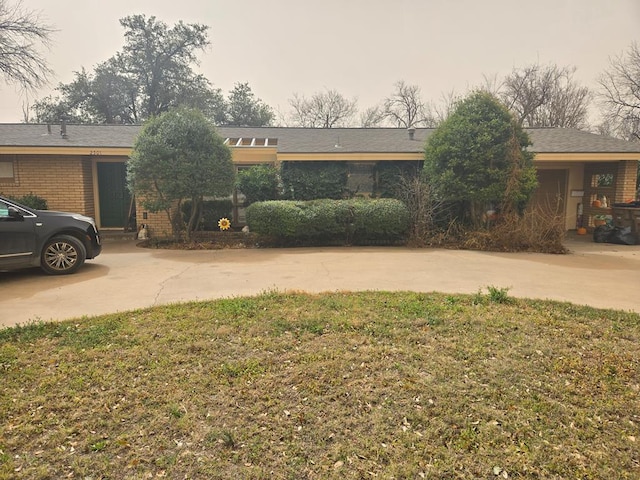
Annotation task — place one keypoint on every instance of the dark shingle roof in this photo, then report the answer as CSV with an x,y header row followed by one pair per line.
x,y
37,135
334,140
571,140
307,140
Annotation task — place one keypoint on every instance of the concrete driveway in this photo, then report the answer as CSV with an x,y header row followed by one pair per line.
x,y
127,277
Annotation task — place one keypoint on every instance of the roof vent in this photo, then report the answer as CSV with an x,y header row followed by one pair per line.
x,y
412,133
63,128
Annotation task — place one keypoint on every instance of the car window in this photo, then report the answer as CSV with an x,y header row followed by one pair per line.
x,y
4,209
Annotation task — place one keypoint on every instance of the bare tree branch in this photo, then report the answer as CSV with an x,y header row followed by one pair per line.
x,y
21,32
448,102
405,107
619,95
327,109
544,96
372,117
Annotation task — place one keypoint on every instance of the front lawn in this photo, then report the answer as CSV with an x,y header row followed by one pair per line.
x,y
339,385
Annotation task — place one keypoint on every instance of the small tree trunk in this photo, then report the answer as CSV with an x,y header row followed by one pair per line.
x,y
196,208
175,218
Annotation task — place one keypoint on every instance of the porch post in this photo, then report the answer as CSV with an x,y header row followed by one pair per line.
x,y
626,181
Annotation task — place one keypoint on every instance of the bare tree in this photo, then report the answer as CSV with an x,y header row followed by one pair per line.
x,y
620,94
372,117
545,97
21,32
491,84
405,107
445,107
327,109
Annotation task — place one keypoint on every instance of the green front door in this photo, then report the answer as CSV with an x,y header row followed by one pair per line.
x,y
113,194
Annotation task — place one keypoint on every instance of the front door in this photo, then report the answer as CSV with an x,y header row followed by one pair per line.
x,y
115,200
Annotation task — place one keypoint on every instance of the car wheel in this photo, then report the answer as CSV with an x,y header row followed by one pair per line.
x,y
62,254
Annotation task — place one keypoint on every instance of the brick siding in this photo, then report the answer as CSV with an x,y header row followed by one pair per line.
x,y
65,182
158,225
626,181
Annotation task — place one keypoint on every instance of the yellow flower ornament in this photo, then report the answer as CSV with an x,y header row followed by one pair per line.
x,y
224,224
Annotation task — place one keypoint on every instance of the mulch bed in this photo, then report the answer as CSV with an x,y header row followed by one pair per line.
x,y
205,241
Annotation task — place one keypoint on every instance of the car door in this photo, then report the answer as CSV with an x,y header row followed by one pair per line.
x,y
17,235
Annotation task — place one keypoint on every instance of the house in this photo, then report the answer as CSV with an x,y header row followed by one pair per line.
x,y
82,168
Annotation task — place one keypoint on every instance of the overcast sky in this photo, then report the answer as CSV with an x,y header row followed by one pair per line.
x,y
358,47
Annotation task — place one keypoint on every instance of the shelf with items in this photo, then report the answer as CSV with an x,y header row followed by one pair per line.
x,y
595,216
599,194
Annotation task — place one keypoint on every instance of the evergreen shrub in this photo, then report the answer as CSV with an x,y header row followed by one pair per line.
x,y
356,221
32,200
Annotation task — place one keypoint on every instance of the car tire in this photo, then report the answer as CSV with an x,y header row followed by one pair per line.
x,y
62,254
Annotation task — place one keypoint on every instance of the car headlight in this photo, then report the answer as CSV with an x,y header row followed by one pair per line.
x,y
89,220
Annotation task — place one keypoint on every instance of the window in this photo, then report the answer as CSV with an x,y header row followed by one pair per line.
x,y
251,142
6,170
360,180
602,180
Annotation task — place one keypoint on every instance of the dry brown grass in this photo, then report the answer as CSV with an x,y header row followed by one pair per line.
x,y
295,386
536,230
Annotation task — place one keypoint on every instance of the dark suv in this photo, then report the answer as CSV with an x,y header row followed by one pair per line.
x,y
58,242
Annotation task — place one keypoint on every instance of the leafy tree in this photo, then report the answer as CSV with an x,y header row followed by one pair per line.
x,y
20,33
52,110
259,183
178,156
548,96
620,94
478,159
243,109
328,109
103,96
159,59
151,74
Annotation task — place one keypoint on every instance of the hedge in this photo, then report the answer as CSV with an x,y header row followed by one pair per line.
x,y
258,183
304,181
355,221
212,211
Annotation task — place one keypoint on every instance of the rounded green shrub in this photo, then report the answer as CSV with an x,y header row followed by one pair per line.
x,y
275,218
331,221
383,219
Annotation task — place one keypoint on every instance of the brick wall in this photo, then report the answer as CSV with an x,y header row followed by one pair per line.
x,y
626,181
64,181
87,188
158,225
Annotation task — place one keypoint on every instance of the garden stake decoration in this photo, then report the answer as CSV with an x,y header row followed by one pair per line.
x,y
224,224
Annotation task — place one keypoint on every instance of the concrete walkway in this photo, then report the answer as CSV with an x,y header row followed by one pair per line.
x,y
127,277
